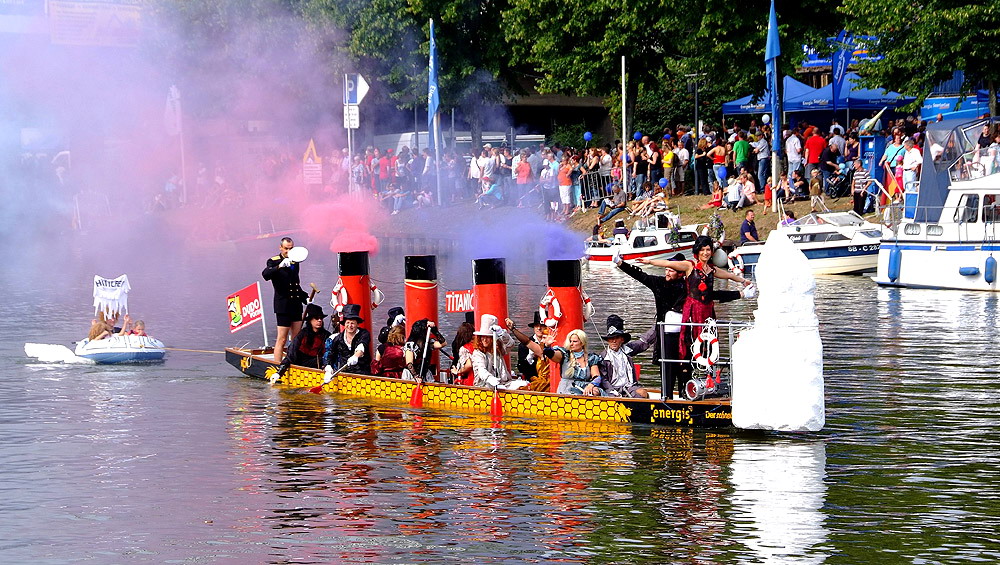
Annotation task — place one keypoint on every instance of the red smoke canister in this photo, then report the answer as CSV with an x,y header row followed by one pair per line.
x,y
489,289
356,282
565,305
420,294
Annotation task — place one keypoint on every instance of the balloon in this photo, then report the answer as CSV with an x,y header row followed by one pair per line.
x,y
628,158
723,173
587,136
766,118
663,183
637,135
667,136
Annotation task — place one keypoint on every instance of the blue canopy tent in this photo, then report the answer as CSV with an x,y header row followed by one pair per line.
x,y
747,105
852,97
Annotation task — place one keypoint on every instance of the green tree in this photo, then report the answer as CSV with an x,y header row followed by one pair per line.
x,y
391,40
923,43
578,49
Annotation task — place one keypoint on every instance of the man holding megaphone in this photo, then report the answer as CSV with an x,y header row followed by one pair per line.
x,y
283,272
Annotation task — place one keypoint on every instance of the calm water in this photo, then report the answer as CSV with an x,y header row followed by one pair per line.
x,y
187,462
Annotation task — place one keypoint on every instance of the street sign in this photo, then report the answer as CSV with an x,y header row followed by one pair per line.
x,y
352,116
312,166
355,88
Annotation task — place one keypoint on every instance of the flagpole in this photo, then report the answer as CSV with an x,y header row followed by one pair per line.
x,y
437,154
624,131
771,52
263,324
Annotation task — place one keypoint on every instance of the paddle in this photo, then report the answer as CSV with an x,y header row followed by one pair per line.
x,y
417,396
319,389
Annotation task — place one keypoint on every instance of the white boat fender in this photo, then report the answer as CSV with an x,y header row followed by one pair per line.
x,y
377,296
707,338
549,310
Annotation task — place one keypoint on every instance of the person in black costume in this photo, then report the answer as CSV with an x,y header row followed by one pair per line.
x,y
352,346
288,295
308,346
669,293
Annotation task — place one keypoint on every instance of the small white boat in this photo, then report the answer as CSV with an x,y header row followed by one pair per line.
x,y
121,349
653,239
836,243
949,232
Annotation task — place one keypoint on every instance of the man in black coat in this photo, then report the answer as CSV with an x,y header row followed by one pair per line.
x,y
670,292
288,295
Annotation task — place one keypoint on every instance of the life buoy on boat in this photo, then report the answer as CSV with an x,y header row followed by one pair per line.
x,y
705,349
736,265
549,310
588,306
338,299
377,296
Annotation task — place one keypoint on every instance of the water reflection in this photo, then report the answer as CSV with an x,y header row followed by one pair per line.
x,y
778,493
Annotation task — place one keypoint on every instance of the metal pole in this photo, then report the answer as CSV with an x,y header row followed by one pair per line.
x,y
180,131
416,132
263,323
437,154
624,131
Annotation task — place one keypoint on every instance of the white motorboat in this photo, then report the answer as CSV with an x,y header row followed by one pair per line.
x,y
661,236
836,243
121,349
947,236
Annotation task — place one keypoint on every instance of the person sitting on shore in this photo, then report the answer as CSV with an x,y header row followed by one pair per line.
x,y
610,207
617,366
716,201
656,202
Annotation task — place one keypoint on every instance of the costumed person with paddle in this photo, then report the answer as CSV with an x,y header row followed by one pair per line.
x,y
283,272
423,336
492,344
351,346
700,276
619,376
307,347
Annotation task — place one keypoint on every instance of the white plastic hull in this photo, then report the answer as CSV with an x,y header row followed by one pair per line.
x,y
838,260
926,265
122,349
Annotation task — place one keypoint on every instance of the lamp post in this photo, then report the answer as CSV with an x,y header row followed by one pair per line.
x,y
695,78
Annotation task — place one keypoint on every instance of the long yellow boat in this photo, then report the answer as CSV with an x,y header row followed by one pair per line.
x,y
708,413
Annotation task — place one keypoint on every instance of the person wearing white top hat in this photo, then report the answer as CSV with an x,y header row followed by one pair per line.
x,y
492,343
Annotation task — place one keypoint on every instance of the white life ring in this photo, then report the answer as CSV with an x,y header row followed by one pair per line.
x,y
549,310
338,298
736,265
377,296
588,306
707,336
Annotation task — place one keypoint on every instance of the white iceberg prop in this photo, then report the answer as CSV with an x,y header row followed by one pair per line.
x,y
778,364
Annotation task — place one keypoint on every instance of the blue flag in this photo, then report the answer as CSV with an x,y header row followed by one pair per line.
x,y
432,89
839,63
771,53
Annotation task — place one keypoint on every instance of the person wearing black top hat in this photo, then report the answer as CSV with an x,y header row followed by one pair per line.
x,y
617,367
352,346
395,318
307,346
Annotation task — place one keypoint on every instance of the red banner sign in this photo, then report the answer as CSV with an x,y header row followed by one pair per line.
x,y
245,308
458,301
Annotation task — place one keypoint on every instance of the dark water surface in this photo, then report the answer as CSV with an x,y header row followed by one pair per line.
x,y
187,462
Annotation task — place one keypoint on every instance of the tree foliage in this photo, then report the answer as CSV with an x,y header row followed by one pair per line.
x,y
578,48
923,43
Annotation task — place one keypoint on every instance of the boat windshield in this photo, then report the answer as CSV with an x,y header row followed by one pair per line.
x,y
955,147
838,219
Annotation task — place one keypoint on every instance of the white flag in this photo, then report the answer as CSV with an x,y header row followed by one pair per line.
x,y
172,112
